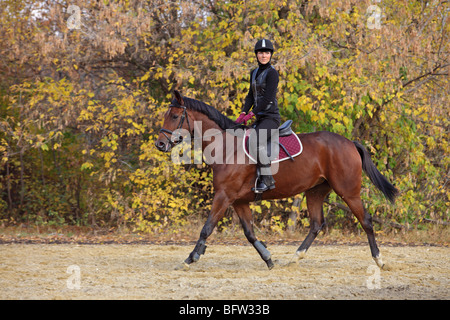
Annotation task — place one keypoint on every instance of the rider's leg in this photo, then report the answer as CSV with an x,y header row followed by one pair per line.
x,y
266,131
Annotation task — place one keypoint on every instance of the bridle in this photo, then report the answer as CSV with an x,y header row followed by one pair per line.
x,y
184,116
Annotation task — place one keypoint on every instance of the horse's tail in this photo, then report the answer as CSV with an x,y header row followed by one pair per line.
x,y
389,191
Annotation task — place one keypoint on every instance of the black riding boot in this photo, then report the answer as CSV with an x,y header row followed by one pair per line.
x,y
264,179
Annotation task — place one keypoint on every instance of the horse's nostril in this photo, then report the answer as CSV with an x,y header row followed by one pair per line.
x,y
160,145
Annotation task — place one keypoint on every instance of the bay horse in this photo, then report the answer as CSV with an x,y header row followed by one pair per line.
x,y
328,162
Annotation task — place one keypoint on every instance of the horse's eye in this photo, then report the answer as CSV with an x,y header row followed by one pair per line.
x,y
175,117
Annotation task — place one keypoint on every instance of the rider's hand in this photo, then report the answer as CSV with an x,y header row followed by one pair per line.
x,y
241,117
248,117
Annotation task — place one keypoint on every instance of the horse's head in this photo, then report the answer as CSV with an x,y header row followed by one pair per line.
x,y
175,119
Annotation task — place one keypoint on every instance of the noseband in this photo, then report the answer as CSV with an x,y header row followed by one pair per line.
x,y
184,116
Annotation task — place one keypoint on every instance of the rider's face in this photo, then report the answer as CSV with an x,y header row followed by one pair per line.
x,y
263,56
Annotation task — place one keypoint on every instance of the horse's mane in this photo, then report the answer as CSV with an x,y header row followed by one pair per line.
x,y
212,113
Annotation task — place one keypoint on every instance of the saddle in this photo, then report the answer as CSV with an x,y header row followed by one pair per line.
x,y
290,144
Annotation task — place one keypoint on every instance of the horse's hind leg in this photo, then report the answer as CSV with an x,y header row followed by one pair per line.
x,y
355,204
245,216
314,201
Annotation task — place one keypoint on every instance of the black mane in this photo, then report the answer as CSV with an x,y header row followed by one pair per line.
x,y
212,113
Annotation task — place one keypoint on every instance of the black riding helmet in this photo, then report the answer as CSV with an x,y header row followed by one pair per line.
x,y
264,45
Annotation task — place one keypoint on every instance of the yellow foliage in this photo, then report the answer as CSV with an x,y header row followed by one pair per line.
x,y
85,105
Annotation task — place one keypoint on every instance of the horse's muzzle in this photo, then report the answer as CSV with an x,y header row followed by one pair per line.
x,y
162,146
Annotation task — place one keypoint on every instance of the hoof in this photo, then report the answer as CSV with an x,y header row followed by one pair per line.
x,y
270,264
182,266
386,267
299,255
381,264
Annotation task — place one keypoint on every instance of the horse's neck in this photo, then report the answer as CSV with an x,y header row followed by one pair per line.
x,y
218,146
202,123
206,130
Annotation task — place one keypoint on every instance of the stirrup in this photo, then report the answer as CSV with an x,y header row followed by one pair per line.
x,y
259,181
255,189
258,177
262,189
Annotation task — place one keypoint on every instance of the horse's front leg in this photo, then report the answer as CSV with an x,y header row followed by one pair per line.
x,y
245,216
219,206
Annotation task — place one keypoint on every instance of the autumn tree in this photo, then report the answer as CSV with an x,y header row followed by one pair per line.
x,y
83,88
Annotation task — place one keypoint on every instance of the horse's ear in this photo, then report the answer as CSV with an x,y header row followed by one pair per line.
x,y
178,96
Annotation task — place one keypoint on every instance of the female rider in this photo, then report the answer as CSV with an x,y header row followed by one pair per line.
x,y
261,102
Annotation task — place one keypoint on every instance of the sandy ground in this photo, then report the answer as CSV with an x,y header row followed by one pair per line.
x,y
72,271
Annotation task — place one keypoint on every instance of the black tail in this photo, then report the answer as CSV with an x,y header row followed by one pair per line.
x,y
389,191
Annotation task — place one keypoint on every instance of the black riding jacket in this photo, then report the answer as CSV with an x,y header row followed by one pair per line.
x,y
262,93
